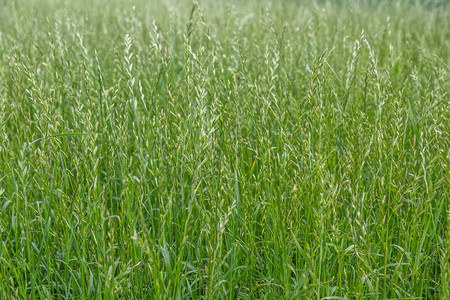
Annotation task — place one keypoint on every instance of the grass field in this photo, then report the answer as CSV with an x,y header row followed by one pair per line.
x,y
233,149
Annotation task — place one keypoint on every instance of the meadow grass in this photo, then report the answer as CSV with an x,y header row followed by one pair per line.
x,y
224,149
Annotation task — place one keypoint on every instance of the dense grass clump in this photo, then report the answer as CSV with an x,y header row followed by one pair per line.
x,y
224,149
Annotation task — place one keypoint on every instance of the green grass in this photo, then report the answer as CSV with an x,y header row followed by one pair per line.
x,y
224,150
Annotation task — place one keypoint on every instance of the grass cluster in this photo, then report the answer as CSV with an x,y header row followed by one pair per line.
x,y
224,149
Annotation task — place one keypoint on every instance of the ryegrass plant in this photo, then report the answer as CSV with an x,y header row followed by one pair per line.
x,y
224,149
